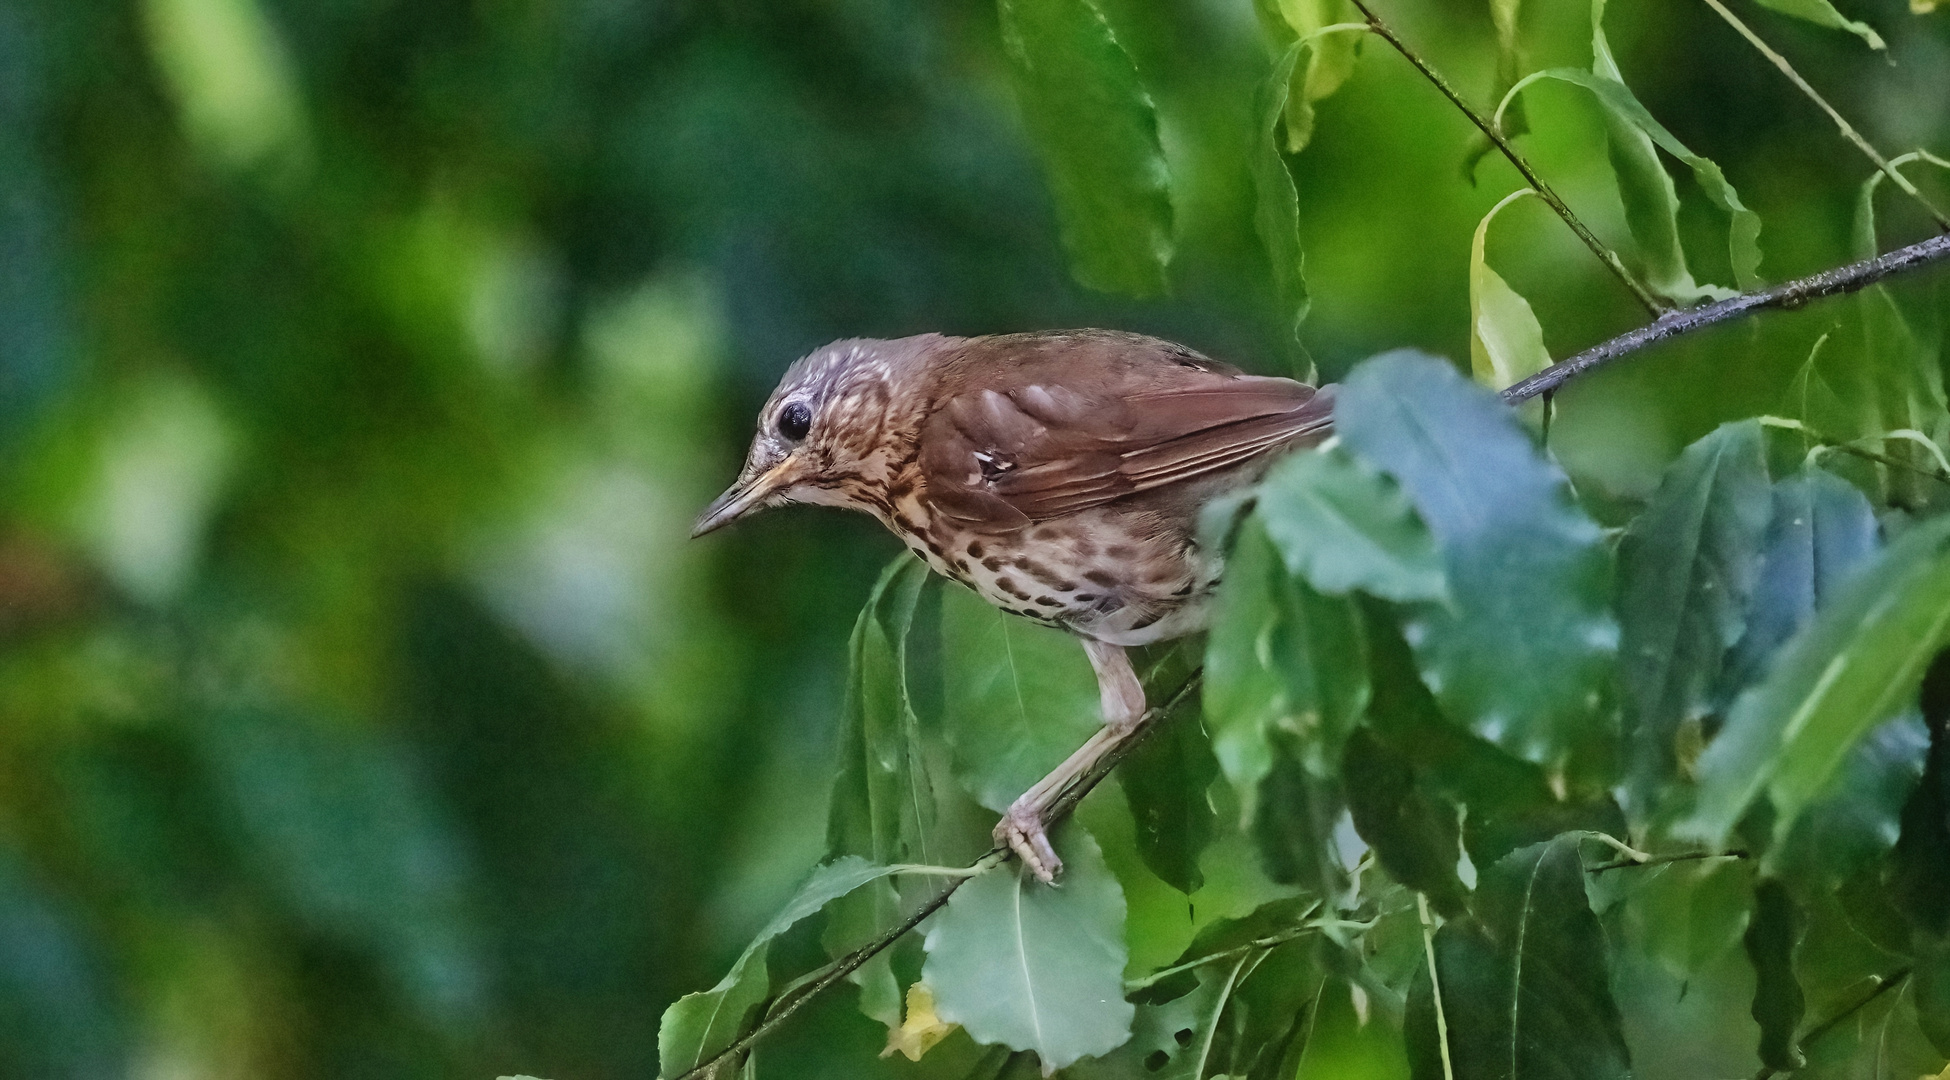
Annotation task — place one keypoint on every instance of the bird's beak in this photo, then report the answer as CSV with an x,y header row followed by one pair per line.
x,y
743,497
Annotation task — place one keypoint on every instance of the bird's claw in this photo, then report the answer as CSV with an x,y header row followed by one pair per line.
x,y
1021,828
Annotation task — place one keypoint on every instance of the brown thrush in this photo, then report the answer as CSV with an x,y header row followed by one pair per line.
x,y
1060,475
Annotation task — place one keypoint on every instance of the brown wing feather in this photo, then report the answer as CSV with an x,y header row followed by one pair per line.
x,y
1032,427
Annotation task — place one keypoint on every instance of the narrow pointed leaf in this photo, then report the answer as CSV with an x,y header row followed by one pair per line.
x,y
1329,61
1823,14
700,1025
1097,132
1917,884
1522,650
882,806
1506,344
1341,525
1032,966
1276,206
1524,987
1686,568
1854,666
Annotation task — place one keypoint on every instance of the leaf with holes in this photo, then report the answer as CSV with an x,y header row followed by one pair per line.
x,y
1033,966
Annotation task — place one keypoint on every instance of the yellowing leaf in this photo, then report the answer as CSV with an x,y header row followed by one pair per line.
x,y
922,1028
1505,342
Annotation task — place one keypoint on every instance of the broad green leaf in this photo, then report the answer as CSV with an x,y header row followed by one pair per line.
x,y
1280,658
1415,835
1917,884
1506,345
1524,987
1686,568
1165,781
1645,188
1778,1002
1276,206
1032,966
1017,698
1819,531
1854,666
1686,915
1097,132
1848,829
700,1025
1522,650
1743,225
1341,526
1822,13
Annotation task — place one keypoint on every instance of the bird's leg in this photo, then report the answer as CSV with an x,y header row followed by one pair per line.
x,y
1023,826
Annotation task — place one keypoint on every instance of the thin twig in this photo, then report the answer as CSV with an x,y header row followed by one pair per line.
x,y
782,1010
1815,1034
1793,294
1660,860
1652,304
1847,129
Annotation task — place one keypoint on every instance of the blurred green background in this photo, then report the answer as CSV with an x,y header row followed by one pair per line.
x,y
364,711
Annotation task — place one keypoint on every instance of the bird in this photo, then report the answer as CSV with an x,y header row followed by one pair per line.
x,y
1059,474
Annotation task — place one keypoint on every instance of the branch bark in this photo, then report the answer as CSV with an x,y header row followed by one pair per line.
x,y
1793,294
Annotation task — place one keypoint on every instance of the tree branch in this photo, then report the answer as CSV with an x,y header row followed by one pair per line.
x,y
782,1009
1610,258
1793,294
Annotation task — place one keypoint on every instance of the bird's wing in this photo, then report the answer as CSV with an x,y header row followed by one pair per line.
x,y
1034,434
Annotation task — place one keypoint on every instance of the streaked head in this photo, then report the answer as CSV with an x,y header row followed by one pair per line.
x,y
833,429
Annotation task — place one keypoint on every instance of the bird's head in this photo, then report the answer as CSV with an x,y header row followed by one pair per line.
x,y
833,430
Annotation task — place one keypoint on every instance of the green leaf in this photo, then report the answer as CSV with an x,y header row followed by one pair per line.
x,y
1097,131
1341,525
1778,1003
1330,60
1017,698
1280,658
1645,211
1645,188
1917,884
1525,987
1819,531
1165,780
1522,651
1415,835
1686,568
1854,666
1822,13
882,804
700,1025
1032,966
1506,345
1173,1040
1276,207
1294,828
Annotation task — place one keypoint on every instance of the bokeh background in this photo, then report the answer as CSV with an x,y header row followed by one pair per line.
x,y
364,711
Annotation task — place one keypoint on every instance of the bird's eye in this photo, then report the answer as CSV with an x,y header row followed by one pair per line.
x,y
795,420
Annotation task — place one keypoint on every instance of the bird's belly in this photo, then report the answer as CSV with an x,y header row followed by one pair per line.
x,y
1095,574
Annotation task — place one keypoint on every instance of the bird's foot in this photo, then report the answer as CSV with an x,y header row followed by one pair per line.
x,y
1022,829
